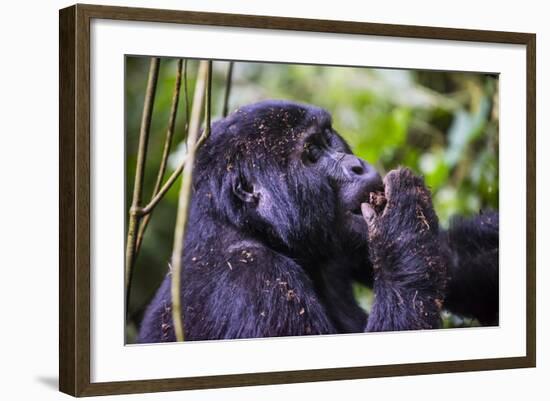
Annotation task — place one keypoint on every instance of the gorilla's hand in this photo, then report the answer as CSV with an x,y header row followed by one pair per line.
x,y
409,268
406,215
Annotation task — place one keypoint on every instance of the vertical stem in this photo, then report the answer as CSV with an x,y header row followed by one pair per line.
x,y
207,107
133,220
165,151
227,89
202,96
186,95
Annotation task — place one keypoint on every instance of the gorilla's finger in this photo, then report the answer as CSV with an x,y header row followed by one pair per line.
x,y
368,212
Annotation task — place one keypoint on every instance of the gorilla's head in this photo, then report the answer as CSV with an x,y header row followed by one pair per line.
x,y
279,171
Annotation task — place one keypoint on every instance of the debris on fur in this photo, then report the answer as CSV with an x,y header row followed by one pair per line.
x,y
420,216
378,201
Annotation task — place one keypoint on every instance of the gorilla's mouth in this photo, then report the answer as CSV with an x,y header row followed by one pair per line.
x,y
355,219
356,211
355,197
354,204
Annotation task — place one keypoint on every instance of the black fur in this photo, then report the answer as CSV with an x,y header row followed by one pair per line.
x,y
473,290
276,238
409,268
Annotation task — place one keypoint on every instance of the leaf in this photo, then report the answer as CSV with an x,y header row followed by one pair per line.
x,y
465,128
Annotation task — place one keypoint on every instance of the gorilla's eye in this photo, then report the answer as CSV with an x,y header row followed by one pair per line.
x,y
312,152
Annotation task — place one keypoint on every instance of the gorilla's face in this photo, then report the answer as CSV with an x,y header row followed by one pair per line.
x,y
327,154
283,173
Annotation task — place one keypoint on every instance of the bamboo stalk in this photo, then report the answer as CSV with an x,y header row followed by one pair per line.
x,y
134,215
228,82
201,96
165,151
186,95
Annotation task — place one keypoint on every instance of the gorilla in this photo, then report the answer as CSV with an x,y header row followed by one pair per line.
x,y
285,219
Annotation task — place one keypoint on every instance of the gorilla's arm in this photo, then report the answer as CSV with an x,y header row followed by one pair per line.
x,y
409,267
473,287
249,292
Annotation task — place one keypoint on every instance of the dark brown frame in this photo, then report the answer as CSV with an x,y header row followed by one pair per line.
x,y
74,199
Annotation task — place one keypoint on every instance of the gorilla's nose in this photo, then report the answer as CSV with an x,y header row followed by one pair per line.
x,y
358,169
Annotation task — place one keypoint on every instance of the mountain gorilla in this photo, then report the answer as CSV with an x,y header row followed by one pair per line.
x,y
284,219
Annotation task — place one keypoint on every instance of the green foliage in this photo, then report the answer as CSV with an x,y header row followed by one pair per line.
x,y
443,125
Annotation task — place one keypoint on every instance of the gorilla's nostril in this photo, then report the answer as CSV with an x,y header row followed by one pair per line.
x,y
358,170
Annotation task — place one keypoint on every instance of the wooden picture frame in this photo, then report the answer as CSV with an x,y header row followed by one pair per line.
x,y
75,204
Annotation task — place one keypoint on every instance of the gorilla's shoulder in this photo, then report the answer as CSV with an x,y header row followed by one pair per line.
x,y
475,233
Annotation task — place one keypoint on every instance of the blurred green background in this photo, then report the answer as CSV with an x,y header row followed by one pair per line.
x,y
443,125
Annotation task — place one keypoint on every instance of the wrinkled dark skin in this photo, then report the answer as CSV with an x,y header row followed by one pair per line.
x,y
284,219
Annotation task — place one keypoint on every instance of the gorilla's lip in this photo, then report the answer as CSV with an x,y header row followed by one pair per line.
x,y
354,207
355,222
356,211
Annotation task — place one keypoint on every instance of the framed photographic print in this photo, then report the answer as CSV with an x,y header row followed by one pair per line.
x,y
251,200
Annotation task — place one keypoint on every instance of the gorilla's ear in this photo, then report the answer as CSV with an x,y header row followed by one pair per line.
x,y
245,191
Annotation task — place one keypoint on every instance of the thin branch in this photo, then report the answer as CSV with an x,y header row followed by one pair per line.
x,y
186,95
227,89
165,188
165,151
170,181
207,106
133,220
175,174
202,95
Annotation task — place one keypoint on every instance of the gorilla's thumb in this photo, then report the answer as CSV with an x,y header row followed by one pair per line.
x,y
368,213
